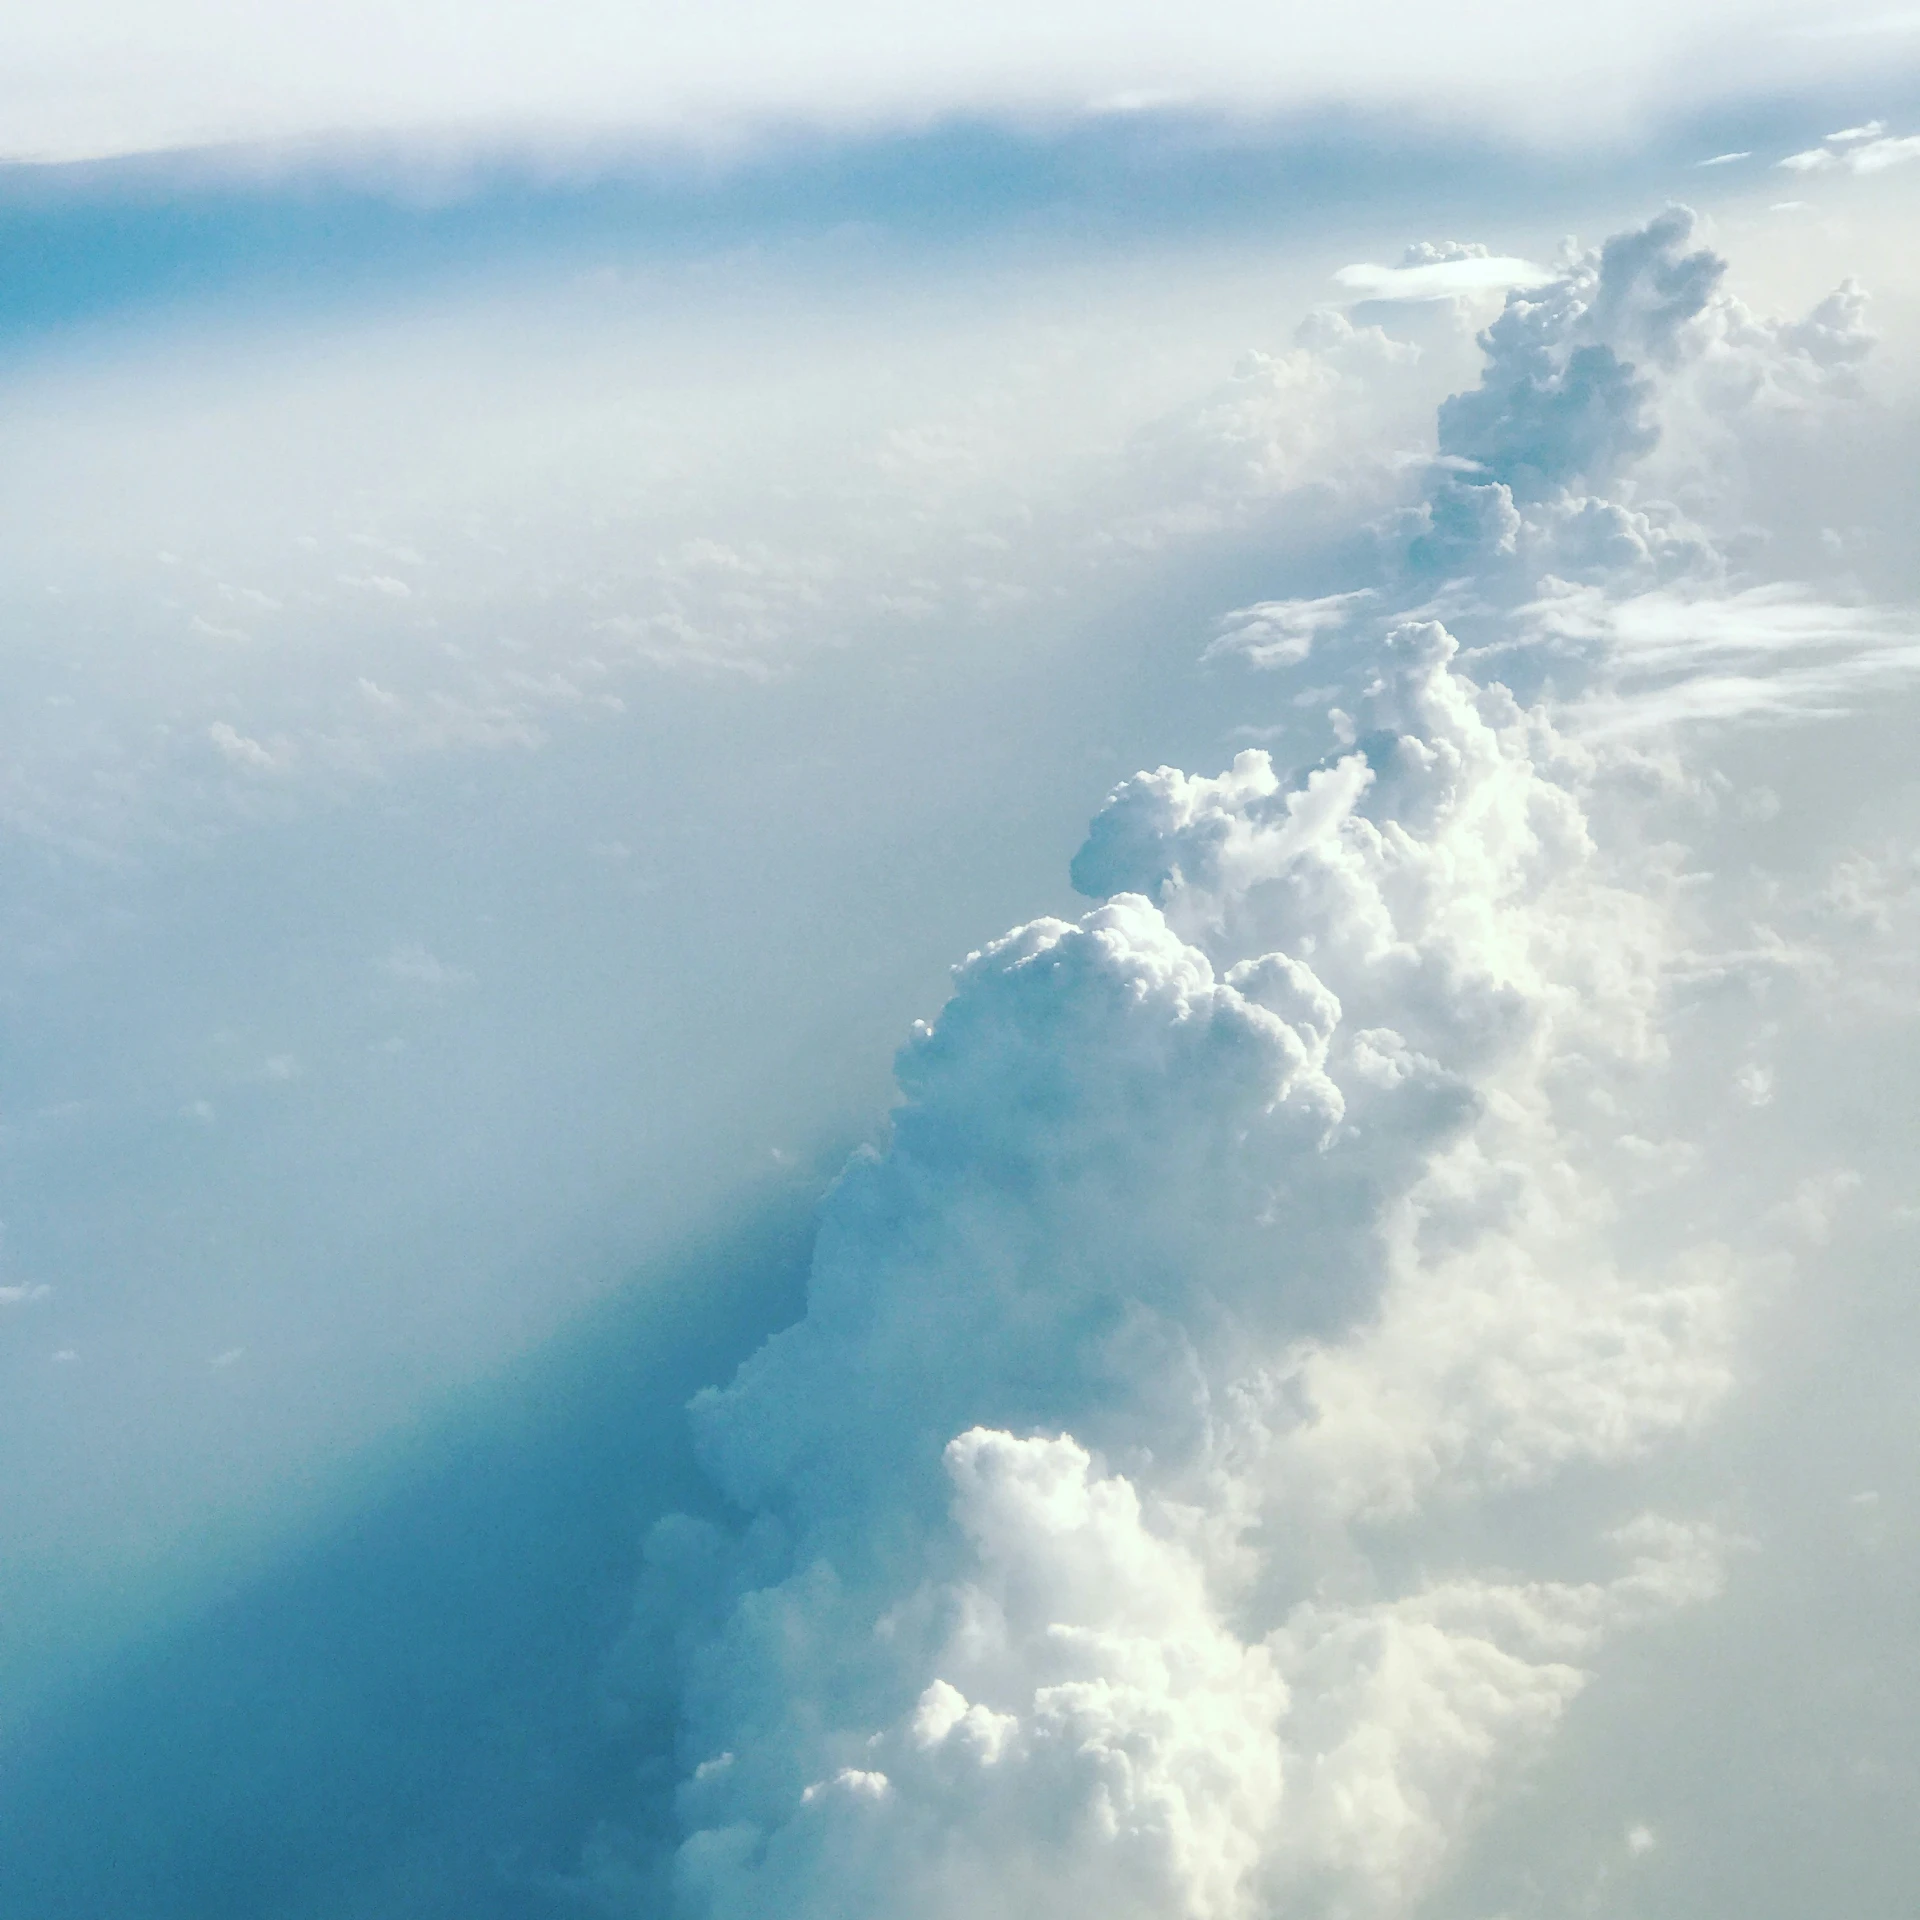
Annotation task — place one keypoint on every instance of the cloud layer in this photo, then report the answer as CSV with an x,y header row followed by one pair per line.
x,y
113,76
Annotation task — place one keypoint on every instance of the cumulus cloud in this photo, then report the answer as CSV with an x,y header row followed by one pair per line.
x,y
1104,1534
1132,1329
1585,513
1563,397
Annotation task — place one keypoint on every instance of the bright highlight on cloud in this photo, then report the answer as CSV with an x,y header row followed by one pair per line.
x,y
1128,1526
1430,272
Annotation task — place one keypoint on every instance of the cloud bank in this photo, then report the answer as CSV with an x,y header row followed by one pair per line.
x,y
117,76
1125,1529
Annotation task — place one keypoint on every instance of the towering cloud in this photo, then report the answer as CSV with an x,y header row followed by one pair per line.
x,y
1115,1530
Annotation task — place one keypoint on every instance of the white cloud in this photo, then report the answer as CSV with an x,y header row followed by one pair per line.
x,y
1441,279
1865,149
103,76
1294,1269
1767,652
1241,1248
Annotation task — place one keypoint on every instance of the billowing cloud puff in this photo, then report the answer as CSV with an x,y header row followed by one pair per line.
x,y
1554,491
1103,1530
1562,397
1579,373
1080,1181
1178,1264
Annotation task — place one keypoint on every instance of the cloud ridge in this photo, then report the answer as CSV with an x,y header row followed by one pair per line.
x,y
1107,1526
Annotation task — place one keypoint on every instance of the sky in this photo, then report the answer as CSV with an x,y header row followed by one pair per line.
x,y
958,964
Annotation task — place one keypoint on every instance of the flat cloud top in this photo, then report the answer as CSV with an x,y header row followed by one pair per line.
x,y
1440,279
101,77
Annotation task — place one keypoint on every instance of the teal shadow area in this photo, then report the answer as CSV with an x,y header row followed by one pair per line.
x,y
403,1719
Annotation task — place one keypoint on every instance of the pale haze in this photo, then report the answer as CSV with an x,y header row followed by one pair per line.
x,y
99,77
959,964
